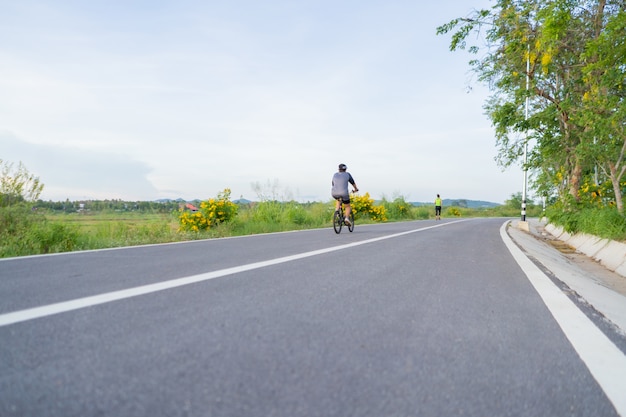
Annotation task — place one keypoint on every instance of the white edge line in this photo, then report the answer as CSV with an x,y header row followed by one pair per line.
x,y
604,360
65,306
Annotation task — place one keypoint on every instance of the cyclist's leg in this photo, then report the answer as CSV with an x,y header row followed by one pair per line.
x,y
351,225
347,206
338,200
348,210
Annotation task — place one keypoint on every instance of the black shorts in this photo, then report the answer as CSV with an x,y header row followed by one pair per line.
x,y
437,209
345,198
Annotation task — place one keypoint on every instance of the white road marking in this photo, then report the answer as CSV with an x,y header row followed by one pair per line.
x,y
65,306
604,360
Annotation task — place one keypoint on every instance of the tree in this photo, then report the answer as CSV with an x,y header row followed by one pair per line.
x,y
516,201
537,64
604,101
17,185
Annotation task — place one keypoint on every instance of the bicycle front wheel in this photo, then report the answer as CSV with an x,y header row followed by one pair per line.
x,y
337,222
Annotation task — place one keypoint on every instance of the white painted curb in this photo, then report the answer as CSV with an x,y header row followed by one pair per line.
x,y
609,253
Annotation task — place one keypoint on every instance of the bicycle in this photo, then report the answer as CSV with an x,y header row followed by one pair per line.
x,y
339,218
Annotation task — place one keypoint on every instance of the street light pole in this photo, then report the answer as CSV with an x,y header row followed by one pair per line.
x,y
524,189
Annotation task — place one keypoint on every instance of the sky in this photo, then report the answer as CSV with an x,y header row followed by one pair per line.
x,y
144,100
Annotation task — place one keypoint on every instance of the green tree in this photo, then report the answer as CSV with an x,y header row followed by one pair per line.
x,y
537,63
516,201
604,101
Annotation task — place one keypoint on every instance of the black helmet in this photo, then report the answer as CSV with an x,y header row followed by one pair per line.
x,y
342,167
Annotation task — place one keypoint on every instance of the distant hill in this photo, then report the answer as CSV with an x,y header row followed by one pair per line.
x,y
460,202
242,201
197,200
448,202
169,200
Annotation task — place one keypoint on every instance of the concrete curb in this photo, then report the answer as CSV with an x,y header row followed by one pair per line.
x,y
610,254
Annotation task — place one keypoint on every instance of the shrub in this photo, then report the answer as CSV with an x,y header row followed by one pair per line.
x,y
453,212
605,222
27,232
17,185
398,209
296,214
364,206
267,212
422,212
212,212
53,238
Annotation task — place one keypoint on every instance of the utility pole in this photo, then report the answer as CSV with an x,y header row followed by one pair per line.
x,y
524,189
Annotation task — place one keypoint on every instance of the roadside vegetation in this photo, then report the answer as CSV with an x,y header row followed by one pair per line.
x,y
30,226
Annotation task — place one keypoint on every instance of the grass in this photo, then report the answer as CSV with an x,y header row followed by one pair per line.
x,y
23,232
604,222
27,232
114,223
113,229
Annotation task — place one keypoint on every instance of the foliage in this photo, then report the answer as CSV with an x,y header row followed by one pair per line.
x,y
605,222
275,216
116,205
24,231
212,212
363,206
268,211
453,212
603,110
516,201
50,227
17,185
421,213
557,70
398,208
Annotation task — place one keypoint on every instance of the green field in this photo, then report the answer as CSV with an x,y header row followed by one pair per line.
x,y
24,231
99,222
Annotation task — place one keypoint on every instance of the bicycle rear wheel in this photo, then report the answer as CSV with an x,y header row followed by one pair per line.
x,y
351,227
337,222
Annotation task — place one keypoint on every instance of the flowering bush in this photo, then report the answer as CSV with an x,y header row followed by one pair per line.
x,y
364,205
453,211
211,213
597,195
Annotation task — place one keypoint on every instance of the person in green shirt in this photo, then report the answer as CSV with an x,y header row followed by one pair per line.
x,y
438,208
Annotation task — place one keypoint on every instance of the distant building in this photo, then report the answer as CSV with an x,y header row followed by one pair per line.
x,y
191,207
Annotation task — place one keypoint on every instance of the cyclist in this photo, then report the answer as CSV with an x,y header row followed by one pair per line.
x,y
341,180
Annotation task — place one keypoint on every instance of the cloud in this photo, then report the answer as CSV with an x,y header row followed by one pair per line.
x,y
75,174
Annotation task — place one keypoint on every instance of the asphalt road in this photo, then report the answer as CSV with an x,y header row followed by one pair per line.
x,y
406,319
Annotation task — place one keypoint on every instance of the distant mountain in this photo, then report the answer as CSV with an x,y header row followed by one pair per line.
x,y
169,200
197,200
449,202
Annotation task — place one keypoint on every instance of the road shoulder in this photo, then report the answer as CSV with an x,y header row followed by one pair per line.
x,y
601,288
